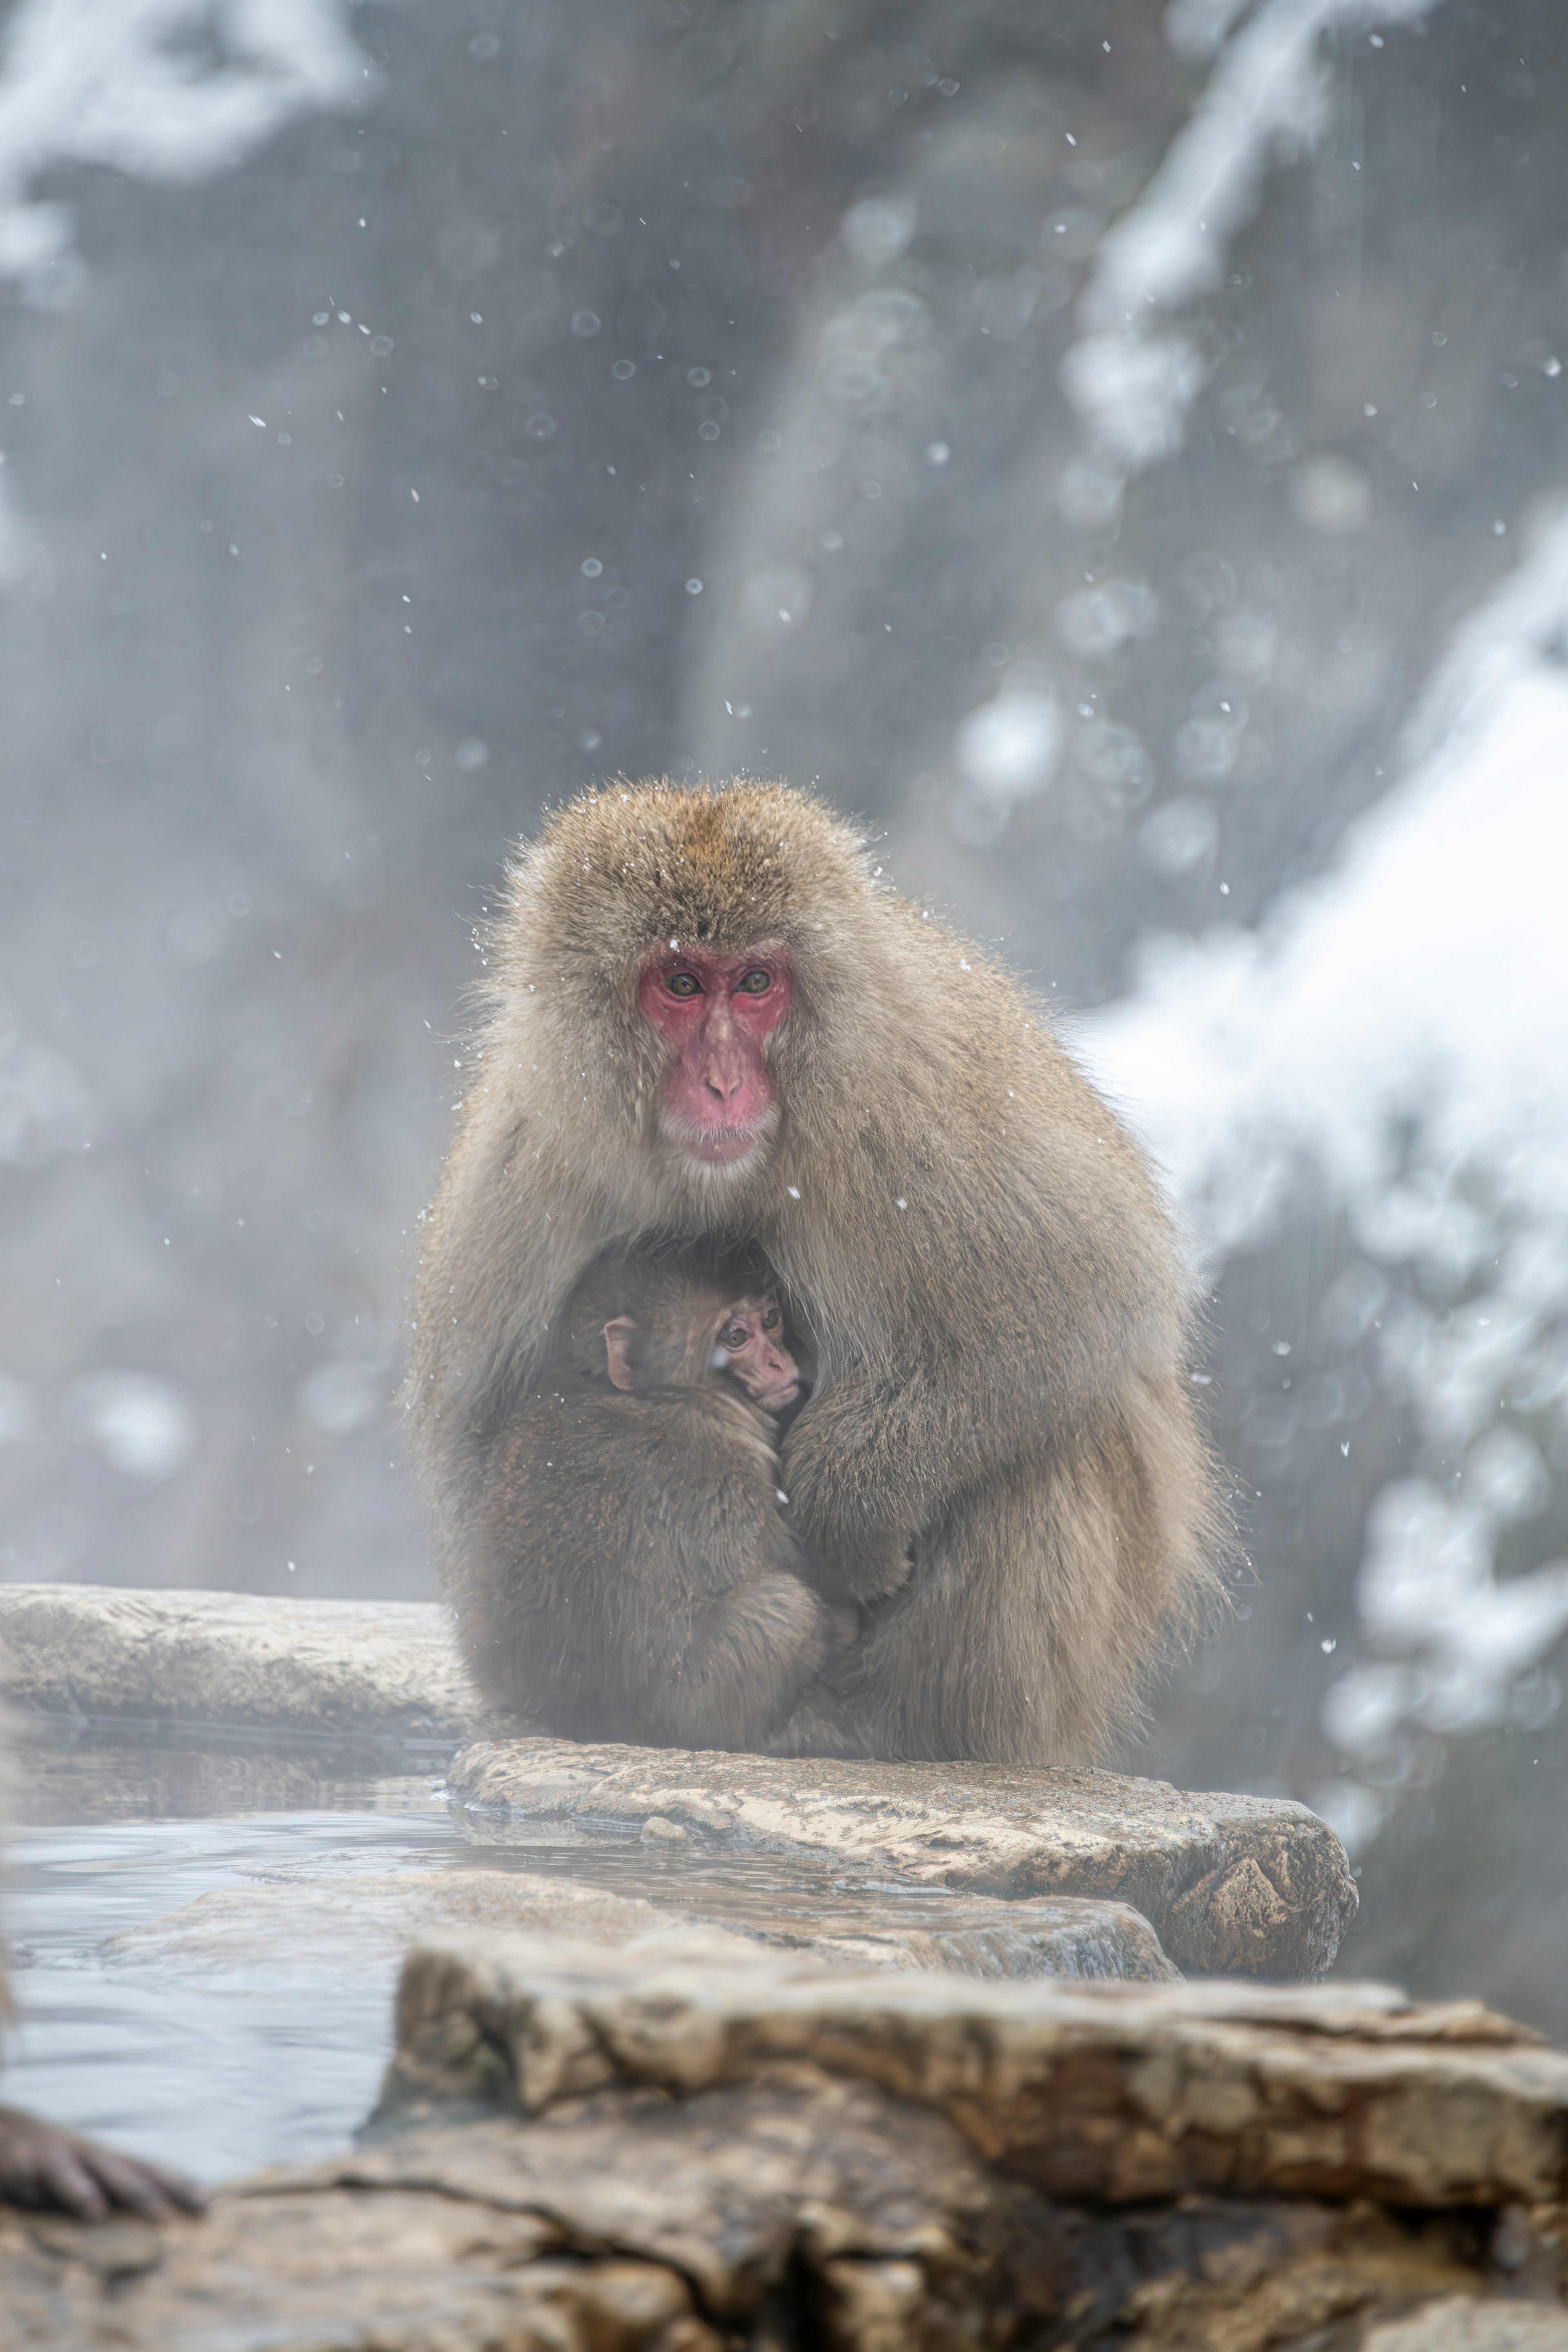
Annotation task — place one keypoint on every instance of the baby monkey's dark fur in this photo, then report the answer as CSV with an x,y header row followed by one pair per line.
x,y
634,1576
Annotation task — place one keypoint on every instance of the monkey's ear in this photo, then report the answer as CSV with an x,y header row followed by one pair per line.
x,y
620,1351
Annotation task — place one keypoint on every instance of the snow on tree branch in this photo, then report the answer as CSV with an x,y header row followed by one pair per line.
x,y
163,90
1397,1029
1130,378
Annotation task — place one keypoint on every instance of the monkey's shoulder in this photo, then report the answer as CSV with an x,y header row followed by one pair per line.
x,y
717,1414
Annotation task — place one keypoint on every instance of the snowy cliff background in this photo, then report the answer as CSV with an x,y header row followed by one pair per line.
x,y
1117,449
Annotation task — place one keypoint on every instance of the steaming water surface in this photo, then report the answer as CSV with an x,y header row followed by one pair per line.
x,y
216,2070
219,2067
255,2030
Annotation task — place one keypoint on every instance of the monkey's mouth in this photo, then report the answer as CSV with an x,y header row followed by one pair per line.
x,y
777,1400
722,1144
719,1147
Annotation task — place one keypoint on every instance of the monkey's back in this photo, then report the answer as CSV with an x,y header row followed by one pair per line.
x,y
632,1564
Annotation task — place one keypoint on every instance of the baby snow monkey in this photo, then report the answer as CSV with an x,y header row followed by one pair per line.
x,y
635,1576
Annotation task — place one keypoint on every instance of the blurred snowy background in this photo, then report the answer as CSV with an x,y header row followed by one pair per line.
x,y
1117,448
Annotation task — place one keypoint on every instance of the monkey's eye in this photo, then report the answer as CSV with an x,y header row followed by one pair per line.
x,y
755,983
771,1320
734,1338
684,984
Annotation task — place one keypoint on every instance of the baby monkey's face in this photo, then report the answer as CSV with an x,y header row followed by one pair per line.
x,y
749,1343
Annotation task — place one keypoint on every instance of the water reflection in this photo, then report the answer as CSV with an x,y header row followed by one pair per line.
x,y
217,2070
253,2028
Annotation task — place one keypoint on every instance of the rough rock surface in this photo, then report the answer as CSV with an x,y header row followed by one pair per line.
x,y
754,2158
1114,2092
332,2271
1074,1936
234,1659
1244,1884
1459,2324
1248,1884
313,1919
308,1917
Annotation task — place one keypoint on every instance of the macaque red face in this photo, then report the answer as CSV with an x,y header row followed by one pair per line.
x,y
750,1346
716,1012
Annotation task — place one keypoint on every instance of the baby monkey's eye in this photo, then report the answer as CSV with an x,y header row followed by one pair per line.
x,y
770,1318
734,1337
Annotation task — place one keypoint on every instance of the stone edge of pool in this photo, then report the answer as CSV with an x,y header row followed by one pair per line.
x,y
1232,1884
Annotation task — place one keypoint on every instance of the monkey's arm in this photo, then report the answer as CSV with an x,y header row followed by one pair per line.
x,y
1034,1302
870,1458
845,1469
740,1663
730,1630
41,2165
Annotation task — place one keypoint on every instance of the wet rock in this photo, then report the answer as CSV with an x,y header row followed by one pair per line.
x,y
614,2225
1461,2324
1111,2091
1223,1883
747,2158
1218,2276
1248,1884
308,1918
731,2186
406,2270
234,1659
315,1919
1076,1936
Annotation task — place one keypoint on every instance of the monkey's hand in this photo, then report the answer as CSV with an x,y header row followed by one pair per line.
x,y
844,1621
41,2165
863,1565
864,1554
823,1724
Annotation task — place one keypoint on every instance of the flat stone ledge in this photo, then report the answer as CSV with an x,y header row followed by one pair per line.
x,y
233,1660
713,2157
309,1918
1250,1885
1459,2323
1118,2093
404,2271
807,2212
1229,1884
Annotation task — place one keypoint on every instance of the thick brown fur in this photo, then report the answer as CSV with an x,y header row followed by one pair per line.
x,y
632,1575
996,1300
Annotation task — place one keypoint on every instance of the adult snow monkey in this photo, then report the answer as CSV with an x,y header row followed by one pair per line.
x,y
708,1017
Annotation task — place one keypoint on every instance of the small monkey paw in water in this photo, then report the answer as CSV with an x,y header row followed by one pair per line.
x,y
42,2165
